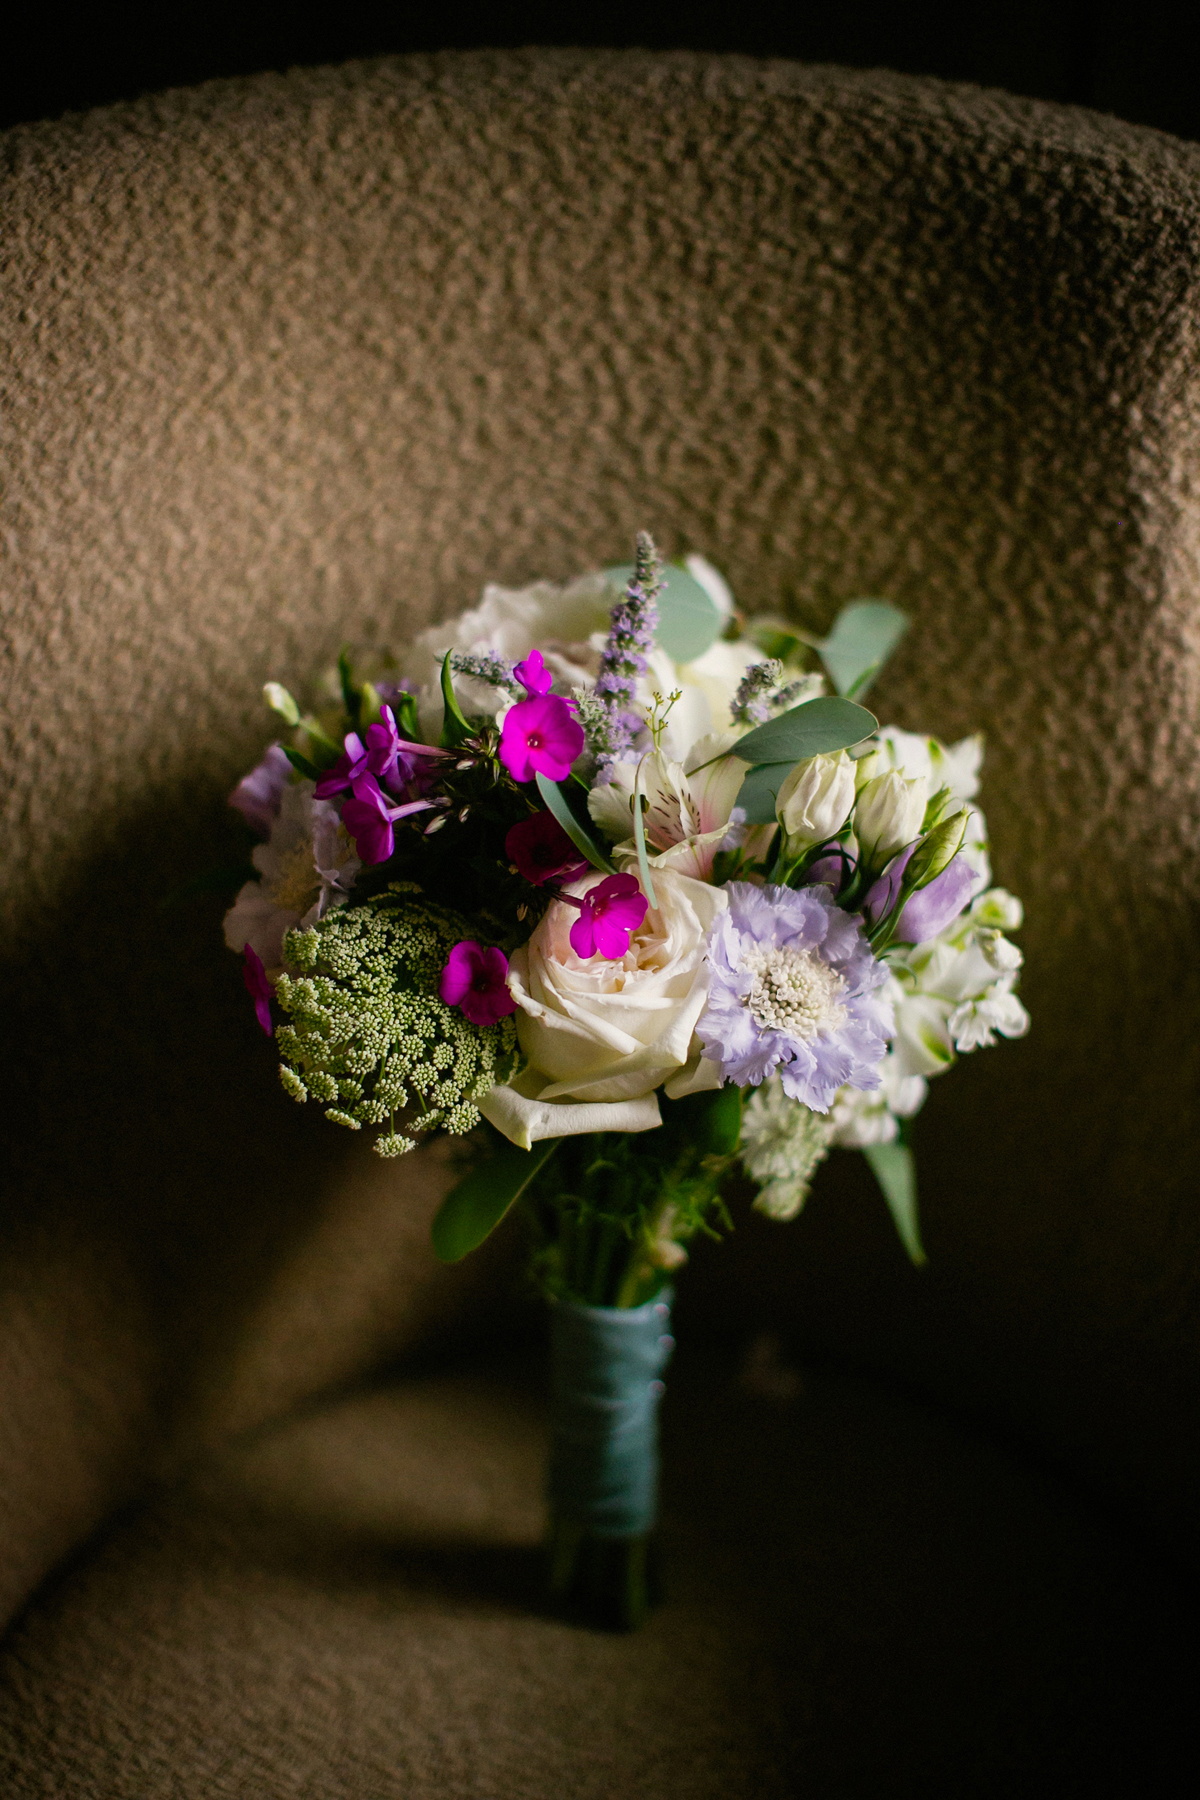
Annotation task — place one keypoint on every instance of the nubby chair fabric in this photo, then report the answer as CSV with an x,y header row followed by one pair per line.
x,y
305,359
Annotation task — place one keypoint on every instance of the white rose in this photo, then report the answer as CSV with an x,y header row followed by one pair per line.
x,y
601,1036
815,801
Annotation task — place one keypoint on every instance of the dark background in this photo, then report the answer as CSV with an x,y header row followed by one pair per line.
x,y
1139,61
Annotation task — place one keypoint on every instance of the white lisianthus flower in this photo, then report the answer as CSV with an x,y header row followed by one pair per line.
x,y
306,866
888,815
689,807
815,801
601,1035
955,766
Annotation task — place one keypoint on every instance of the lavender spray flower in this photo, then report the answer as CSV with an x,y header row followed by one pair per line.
x,y
634,620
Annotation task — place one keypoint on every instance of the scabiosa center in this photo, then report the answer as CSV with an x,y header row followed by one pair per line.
x,y
794,991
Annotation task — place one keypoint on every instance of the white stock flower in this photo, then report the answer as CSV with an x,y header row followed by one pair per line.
x,y
888,815
783,1144
601,1035
862,1117
306,866
816,800
955,993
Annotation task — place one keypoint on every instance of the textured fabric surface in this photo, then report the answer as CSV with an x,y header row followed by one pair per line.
x,y
861,1600
303,359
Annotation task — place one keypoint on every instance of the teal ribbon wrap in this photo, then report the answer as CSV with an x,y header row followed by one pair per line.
x,y
606,1365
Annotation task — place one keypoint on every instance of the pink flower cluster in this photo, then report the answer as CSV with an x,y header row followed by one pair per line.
x,y
369,816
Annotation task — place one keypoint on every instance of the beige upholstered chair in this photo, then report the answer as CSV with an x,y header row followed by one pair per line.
x,y
302,359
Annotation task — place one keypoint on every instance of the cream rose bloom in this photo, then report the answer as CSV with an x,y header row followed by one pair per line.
x,y
601,1036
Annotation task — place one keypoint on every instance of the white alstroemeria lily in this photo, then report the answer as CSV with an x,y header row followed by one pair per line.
x,y
306,866
955,766
689,806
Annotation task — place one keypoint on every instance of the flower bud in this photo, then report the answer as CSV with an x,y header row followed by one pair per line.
x,y
936,851
888,816
815,801
866,768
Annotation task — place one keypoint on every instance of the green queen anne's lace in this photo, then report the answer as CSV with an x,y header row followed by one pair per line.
x,y
368,1033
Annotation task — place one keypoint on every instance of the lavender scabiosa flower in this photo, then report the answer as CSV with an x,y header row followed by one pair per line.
x,y
633,622
792,989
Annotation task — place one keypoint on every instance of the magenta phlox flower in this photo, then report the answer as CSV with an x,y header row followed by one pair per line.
x,y
396,761
350,765
475,980
257,795
258,987
534,676
609,914
542,850
540,737
369,818
931,908
792,990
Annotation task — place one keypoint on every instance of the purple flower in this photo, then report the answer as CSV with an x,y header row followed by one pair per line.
x,y
258,987
931,908
609,914
350,765
369,819
258,794
791,989
541,850
540,737
475,979
534,676
633,623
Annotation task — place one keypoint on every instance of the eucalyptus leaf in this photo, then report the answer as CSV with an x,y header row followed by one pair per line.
x,y
688,618
895,1170
556,800
814,728
454,725
864,635
756,796
472,1210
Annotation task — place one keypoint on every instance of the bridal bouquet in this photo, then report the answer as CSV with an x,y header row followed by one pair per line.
x,y
601,880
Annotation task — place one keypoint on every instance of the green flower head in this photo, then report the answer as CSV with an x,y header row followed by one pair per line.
x,y
368,1032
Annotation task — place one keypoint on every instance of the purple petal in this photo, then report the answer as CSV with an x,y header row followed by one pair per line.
x,y
935,906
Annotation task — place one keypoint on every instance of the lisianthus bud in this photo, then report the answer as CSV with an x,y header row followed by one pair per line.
x,y
866,768
888,816
936,851
815,801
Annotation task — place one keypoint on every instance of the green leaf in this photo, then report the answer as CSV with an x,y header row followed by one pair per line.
x,y
556,800
307,769
351,695
639,838
895,1170
472,1210
756,796
322,749
863,637
814,728
454,725
721,1126
688,619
